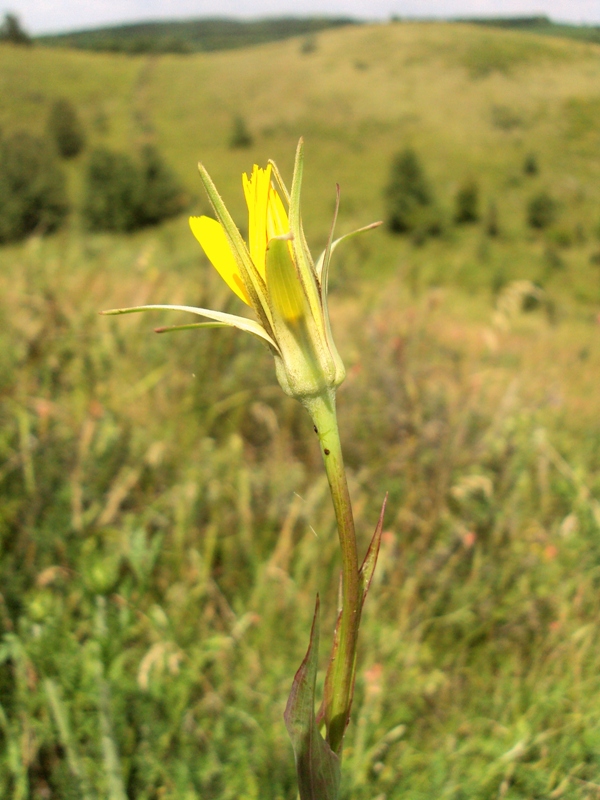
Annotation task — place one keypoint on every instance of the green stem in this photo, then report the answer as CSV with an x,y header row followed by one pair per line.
x,y
337,710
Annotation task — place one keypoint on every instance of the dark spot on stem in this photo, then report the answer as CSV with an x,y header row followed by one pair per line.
x,y
315,429
326,451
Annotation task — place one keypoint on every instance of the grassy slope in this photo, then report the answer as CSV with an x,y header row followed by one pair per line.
x,y
158,567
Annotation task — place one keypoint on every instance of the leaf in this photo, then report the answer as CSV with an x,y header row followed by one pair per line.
x,y
365,576
317,766
244,324
365,573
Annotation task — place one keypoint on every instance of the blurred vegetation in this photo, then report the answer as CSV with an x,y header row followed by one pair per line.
x,y
164,520
33,194
409,197
123,195
530,164
12,32
541,210
194,35
240,135
540,25
65,129
466,203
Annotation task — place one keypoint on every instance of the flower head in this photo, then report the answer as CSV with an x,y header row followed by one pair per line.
x,y
273,273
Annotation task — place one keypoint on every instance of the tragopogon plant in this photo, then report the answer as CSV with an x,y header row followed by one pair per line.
x,y
275,275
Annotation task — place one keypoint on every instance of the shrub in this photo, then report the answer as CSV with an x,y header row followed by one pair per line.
x,y
65,129
240,135
113,192
492,223
162,194
33,196
541,211
467,203
407,194
530,164
122,195
309,45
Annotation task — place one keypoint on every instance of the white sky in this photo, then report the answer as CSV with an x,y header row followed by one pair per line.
x,y
40,16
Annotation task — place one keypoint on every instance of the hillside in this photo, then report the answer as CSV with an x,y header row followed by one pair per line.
x,y
193,35
225,34
165,523
541,25
471,102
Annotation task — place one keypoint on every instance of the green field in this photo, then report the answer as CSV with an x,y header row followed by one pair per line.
x,y
164,519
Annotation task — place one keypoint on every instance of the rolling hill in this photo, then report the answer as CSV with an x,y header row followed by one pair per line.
x,y
164,520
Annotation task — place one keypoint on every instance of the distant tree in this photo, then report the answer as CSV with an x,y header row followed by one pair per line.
x,y
407,194
65,129
33,195
240,135
530,164
11,31
113,192
467,203
492,224
162,193
309,45
541,211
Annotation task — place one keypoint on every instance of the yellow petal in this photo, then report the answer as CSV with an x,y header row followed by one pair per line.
x,y
277,218
213,240
267,216
256,191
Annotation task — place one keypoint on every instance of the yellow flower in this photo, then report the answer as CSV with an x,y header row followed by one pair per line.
x,y
267,219
275,275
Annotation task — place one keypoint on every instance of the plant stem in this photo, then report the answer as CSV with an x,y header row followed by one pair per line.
x,y
337,706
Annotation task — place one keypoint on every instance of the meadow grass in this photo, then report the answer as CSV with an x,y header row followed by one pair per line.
x,y
164,520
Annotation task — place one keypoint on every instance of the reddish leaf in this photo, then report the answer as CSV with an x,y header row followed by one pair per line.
x,y
317,766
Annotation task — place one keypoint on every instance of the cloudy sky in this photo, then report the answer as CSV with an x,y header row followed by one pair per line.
x,y
39,16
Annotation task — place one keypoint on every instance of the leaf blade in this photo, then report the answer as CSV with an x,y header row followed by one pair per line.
x,y
317,766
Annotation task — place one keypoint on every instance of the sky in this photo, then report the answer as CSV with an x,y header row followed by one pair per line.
x,y
45,16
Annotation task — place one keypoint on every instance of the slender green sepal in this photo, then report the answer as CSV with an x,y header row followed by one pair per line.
x,y
322,265
317,766
285,292
304,262
306,367
279,179
244,324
